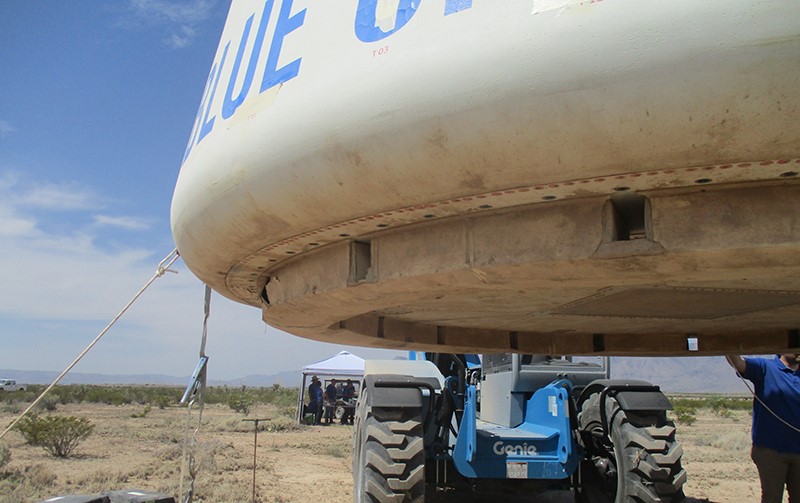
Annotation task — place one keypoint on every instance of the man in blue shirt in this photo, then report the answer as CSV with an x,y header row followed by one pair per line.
x,y
315,399
776,419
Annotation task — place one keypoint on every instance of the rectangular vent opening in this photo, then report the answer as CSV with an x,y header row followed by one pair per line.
x,y
360,260
598,343
629,217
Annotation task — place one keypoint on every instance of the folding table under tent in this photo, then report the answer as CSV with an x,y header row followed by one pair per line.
x,y
344,365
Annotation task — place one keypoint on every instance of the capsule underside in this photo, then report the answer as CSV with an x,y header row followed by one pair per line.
x,y
573,178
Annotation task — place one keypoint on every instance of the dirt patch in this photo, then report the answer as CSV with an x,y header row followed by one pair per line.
x,y
294,464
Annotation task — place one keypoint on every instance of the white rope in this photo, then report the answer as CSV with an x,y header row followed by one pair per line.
x,y
189,444
192,471
163,266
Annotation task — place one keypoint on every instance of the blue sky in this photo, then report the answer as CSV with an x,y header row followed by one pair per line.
x,y
97,100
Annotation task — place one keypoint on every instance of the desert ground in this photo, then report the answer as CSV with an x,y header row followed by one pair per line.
x,y
134,448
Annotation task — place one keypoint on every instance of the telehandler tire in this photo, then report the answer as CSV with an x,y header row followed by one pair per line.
x,y
642,465
388,455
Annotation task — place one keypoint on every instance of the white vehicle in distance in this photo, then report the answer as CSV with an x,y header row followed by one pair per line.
x,y
11,385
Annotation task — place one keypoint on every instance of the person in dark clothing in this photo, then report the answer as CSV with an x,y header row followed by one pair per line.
x,y
315,399
776,419
348,394
330,401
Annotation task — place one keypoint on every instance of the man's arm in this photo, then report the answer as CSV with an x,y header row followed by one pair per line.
x,y
737,362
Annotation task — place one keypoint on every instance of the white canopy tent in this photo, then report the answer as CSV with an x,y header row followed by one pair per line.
x,y
344,365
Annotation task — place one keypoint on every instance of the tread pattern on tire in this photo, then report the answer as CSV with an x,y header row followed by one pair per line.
x,y
393,456
650,469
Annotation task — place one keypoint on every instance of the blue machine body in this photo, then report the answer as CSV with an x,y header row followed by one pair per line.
x,y
541,447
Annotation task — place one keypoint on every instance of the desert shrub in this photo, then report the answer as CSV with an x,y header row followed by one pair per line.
x,y
685,415
31,429
275,394
278,395
724,412
241,402
688,402
156,396
142,414
27,396
12,408
49,403
163,401
714,402
733,402
724,406
58,435
113,396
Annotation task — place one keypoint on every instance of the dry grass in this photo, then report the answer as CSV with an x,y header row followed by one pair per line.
x,y
129,449
295,464
717,457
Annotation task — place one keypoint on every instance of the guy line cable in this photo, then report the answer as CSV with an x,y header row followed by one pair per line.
x,y
163,266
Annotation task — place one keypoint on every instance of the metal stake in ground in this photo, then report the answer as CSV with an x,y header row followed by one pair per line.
x,y
255,448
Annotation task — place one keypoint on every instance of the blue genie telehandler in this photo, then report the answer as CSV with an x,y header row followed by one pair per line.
x,y
511,424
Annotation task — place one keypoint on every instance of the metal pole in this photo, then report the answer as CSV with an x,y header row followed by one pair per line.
x,y
255,448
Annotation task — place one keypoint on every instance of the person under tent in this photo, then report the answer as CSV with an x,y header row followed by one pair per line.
x,y
348,394
315,399
330,401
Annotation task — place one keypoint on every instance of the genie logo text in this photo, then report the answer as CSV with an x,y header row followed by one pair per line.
x,y
501,448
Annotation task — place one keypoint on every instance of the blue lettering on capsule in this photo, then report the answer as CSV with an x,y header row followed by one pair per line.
x,y
372,24
286,24
202,124
370,27
230,104
453,6
208,123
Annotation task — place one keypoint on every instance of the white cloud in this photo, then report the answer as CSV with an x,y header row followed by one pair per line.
x,y
48,253
71,296
180,17
57,197
8,179
6,128
129,223
182,39
19,200
59,287
12,224
174,11
19,192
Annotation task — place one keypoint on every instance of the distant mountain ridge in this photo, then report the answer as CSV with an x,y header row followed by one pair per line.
x,y
697,374
674,375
